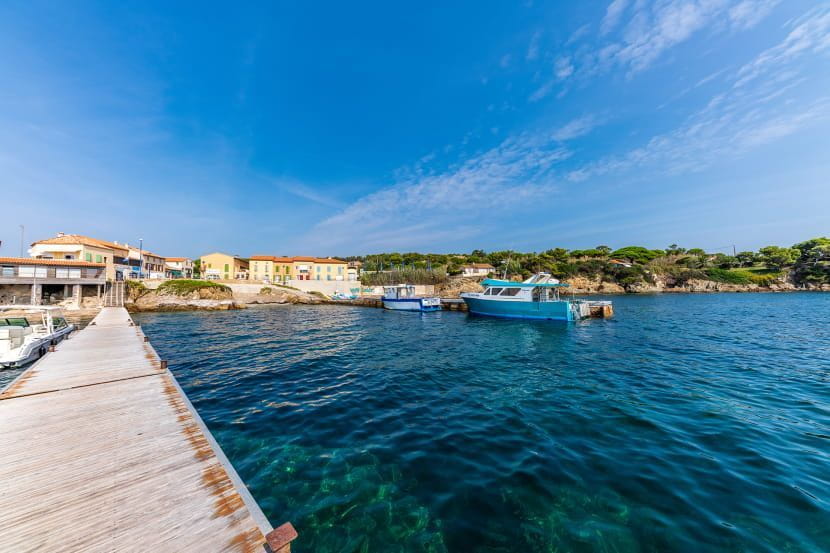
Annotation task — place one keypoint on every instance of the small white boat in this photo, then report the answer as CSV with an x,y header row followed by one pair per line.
x,y
27,331
403,298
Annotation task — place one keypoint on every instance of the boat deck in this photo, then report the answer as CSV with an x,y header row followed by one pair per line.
x,y
102,451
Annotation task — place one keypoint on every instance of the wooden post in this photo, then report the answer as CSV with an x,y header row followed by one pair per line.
x,y
279,539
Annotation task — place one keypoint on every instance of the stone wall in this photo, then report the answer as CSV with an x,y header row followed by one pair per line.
x,y
15,293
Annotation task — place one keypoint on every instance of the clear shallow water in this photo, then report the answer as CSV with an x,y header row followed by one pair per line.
x,y
687,423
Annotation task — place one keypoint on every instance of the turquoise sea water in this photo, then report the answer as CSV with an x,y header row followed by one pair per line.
x,y
686,423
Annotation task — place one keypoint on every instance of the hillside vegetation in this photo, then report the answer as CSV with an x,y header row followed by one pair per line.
x,y
805,264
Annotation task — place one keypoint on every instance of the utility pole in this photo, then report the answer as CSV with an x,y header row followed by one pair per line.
x,y
140,256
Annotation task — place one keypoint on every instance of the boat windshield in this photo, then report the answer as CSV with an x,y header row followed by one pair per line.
x,y
14,321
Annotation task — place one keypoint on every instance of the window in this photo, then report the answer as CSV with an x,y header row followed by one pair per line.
x,y
88,257
328,269
92,273
226,268
69,256
7,271
98,259
340,270
39,272
510,291
494,291
61,273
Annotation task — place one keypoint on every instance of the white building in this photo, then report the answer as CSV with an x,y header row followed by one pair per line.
x,y
477,269
178,267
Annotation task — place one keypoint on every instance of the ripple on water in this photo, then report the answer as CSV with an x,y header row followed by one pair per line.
x,y
687,423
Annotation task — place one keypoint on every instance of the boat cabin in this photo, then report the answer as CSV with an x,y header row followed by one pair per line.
x,y
399,291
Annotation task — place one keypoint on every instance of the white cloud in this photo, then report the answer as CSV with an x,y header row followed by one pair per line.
x,y
563,68
811,34
541,92
741,118
533,48
513,174
505,60
749,13
612,15
576,128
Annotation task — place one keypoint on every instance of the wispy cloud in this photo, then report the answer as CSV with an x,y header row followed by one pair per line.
x,y
575,128
810,35
533,48
612,15
300,190
521,175
740,117
513,174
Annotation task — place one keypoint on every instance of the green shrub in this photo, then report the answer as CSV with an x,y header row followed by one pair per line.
x,y
406,276
135,289
741,276
183,287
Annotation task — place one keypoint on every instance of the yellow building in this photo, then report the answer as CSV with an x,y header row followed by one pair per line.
x,y
283,269
221,266
82,248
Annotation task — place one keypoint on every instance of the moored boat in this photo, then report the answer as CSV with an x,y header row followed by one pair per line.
x,y
403,298
536,298
22,340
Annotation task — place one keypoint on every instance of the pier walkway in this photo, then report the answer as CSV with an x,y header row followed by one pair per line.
x,y
101,451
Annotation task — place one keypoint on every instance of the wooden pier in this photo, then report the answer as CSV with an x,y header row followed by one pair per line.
x,y
101,451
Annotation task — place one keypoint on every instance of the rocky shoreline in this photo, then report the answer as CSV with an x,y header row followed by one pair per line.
x,y
213,299
208,299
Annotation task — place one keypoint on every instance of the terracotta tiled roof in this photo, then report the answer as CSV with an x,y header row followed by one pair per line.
x,y
479,266
296,258
79,239
54,262
177,259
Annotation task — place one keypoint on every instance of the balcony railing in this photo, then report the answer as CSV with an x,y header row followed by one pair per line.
x,y
27,274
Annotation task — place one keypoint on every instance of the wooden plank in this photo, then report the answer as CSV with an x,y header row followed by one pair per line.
x,y
103,452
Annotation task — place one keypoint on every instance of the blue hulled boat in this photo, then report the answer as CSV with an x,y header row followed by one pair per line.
x,y
403,298
535,298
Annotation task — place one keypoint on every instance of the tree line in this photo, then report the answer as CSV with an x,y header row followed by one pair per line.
x,y
810,261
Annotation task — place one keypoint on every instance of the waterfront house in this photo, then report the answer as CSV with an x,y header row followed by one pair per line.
x,y
145,263
269,268
619,263
477,270
178,267
82,248
330,269
222,266
50,280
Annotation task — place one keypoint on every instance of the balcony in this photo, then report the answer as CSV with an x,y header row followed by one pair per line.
x,y
29,274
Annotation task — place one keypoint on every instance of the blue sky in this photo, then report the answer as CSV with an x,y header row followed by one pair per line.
x,y
343,129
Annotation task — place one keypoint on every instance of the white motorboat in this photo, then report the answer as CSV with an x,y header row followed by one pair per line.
x,y
403,298
27,331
